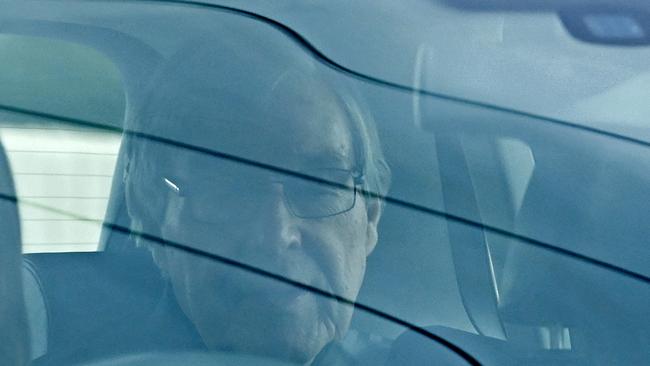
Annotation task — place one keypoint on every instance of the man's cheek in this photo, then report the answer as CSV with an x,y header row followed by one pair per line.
x,y
199,275
341,258
203,293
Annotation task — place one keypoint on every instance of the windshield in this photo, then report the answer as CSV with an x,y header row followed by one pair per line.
x,y
204,184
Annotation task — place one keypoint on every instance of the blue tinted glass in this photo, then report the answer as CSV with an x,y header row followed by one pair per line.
x,y
614,26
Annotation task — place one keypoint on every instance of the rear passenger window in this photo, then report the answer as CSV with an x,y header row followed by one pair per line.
x,y
62,164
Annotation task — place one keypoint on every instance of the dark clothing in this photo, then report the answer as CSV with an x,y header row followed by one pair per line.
x,y
164,328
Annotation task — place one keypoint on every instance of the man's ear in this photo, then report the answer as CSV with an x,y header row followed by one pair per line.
x,y
374,209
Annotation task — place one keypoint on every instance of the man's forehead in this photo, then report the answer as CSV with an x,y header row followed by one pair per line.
x,y
295,126
326,148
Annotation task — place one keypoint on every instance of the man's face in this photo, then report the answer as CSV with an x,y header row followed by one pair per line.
x,y
240,212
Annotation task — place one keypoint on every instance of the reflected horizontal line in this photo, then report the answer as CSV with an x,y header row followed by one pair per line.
x,y
73,249
58,200
100,131
56,244
71,220
59,152
64,197
65,175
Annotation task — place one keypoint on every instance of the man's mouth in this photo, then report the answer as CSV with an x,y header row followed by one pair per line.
x,y
258,291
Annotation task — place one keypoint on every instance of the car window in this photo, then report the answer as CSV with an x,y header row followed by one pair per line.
x,y
57,164
220,189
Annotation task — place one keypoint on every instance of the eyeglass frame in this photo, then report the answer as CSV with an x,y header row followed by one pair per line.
x,y
358,179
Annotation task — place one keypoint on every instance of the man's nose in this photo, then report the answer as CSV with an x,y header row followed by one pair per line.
x,y
274,228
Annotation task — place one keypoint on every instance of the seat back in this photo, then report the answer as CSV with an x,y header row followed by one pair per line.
x,y
13,334
85,296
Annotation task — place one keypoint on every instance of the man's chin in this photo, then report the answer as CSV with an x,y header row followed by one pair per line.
x,y
295,332
285,345
300,352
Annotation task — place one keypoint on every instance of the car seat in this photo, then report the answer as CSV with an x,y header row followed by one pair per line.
x,y
13,334
73,297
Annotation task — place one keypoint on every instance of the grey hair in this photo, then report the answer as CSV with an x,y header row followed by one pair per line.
x,y
368,154
180,91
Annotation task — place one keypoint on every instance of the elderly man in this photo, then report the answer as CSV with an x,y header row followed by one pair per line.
x,y
266,161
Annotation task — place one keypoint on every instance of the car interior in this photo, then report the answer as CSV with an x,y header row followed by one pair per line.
x,y
71,294
486,196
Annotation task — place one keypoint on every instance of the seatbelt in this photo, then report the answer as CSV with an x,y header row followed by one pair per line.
x,y
469,246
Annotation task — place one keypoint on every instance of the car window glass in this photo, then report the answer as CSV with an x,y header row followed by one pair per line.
x,y
59,166
269,205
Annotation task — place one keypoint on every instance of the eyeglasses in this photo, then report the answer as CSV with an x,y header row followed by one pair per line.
x,y
238,193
